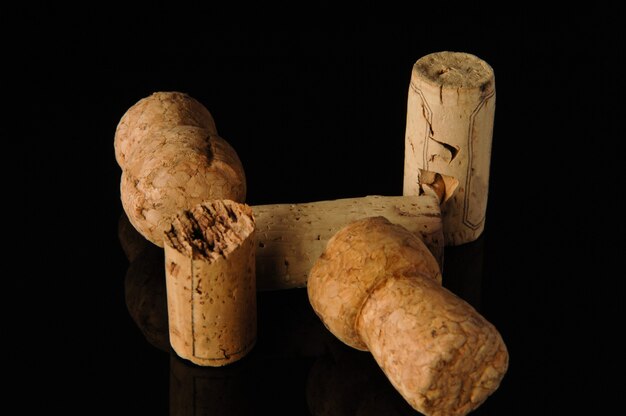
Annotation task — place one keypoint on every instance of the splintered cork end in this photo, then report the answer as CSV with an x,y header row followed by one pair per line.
x,y
211,230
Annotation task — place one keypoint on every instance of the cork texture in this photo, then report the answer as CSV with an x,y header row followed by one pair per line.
x,y
377,288
159,111
454,70
211,283
172,159
449,128
437,351
291,237
356,259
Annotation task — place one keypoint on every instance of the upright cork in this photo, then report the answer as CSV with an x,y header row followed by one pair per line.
x,y
449,128
211,282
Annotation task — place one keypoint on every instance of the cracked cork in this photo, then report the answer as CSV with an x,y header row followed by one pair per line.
x,y
449,128
172,159
377,288
211,282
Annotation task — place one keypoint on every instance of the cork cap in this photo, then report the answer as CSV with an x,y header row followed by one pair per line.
x,y
358,258
454,70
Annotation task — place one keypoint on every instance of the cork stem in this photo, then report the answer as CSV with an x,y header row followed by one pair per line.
x,y
211,282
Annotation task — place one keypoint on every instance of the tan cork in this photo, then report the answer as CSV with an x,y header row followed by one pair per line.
x,y
378,288
290,237
172,159
449,128
211,283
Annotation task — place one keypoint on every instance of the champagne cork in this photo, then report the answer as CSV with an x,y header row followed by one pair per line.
x,y
449,128
377,288
211,283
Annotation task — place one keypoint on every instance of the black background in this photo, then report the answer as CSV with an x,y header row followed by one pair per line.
x,y
316,113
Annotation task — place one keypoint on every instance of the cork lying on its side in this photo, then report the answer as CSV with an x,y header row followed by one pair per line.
x,y
377,288
211,283
358,258
460,357
172,159
292,236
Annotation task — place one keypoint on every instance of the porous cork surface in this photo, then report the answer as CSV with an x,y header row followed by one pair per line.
x,y
356,260
454,70
172,159
438,352
291,237
211,230
211,283
377,288
156,112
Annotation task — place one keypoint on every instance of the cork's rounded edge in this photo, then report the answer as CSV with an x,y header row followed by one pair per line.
x,y
154,107
452,340
227,161
218,362
131,204
432,69
323,280
119,155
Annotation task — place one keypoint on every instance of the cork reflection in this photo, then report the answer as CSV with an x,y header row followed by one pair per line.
x,y
291,338
144,286
347,382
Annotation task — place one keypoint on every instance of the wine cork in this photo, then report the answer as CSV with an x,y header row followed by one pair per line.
x,y
449,129
290,237
211,283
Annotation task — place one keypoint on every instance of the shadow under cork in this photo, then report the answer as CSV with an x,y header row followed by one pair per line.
x,y
463,271
346,382
273,376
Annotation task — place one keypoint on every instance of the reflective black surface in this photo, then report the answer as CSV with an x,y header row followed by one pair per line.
x,y
297,366
314,113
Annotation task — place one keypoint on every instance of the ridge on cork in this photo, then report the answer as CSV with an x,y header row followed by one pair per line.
x,y
211,230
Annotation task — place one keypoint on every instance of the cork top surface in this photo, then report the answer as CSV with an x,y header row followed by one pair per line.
x,y
211,230
454,70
